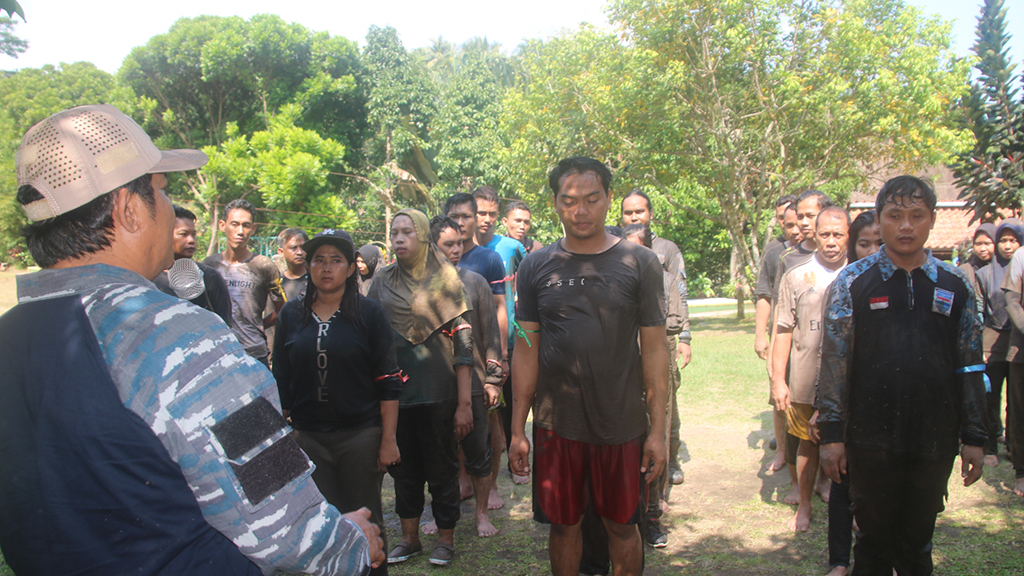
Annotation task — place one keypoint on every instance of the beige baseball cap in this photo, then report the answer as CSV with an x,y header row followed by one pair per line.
x,y
83,153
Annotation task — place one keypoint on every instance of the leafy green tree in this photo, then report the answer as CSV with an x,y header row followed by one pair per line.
x,y
210,79
10,45
401,102
29,96
992,173
466,126
724,106
284,167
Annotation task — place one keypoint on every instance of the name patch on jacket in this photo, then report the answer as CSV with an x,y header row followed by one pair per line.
x,y
943,302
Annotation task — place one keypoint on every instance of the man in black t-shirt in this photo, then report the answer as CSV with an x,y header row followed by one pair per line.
x,y
588,304
294,275
215,297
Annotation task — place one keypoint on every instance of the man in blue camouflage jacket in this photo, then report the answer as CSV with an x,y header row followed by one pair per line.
x,y
136,435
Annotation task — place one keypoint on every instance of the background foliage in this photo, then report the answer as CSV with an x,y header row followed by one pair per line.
x,y
713,108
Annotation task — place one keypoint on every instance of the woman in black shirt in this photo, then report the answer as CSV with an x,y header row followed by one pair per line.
x,y
334,360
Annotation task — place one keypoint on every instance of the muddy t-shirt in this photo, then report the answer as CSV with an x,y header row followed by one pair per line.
x,y
590,308
801,308
249,284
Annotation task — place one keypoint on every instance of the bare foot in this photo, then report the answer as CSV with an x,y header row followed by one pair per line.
x,y
794,495
802,519
494,500
429,528
520,479
991,460
839,571
1018,488
484,528
777,463
823,488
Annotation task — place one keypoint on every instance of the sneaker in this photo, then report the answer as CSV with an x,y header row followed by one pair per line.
x,y
442,555
403,552
655,537
675,475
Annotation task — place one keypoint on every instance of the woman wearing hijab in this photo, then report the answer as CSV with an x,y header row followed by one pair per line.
x,y
367,259
334,361
424,299
996,337
981,254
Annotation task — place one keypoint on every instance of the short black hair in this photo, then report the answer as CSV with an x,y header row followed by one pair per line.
x,y
640,193
240,204
486,193
439,224
832,210
183,213
901,189
785,199
517,205
458,199
579,165
646,238
85,230
289,233
614,231
823,200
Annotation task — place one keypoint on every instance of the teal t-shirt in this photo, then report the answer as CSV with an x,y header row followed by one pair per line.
x,y
512,253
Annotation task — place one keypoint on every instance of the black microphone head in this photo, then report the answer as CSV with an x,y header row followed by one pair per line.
x,y
186,279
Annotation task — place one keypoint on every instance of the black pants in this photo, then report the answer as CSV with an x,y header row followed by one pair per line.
x,y
840,523
506,408
1015,417
426,439
346,473
997,372
895,500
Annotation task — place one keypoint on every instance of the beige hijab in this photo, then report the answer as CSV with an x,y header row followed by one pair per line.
x,y
423,293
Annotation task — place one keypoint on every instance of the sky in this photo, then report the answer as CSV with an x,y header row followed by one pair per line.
x,y
104,31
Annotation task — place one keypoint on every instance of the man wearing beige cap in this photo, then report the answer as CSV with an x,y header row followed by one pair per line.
x,y
136,436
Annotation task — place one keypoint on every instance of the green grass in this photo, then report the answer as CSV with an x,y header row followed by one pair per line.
x,y
727,518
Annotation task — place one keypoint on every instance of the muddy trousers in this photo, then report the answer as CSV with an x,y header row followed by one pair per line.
x,y
895,501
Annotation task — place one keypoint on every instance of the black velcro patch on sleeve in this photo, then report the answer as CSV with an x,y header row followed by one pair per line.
x,y
246,428
271,469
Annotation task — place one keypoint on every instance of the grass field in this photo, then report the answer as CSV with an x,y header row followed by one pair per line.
x,y
727,518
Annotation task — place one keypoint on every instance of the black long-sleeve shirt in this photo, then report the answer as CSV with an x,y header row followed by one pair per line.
x,y
901,364
333,374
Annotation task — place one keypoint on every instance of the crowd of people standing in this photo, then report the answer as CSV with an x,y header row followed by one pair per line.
x,y
268,451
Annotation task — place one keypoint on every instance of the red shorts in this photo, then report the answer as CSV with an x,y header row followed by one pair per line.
x,y
564,471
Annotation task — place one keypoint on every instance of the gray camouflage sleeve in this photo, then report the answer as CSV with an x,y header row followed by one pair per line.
x,y
216,411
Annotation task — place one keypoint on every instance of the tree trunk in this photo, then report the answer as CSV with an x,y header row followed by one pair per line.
x,y
211,248
736,277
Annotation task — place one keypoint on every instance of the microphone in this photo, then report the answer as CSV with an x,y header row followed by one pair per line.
x,y
186,279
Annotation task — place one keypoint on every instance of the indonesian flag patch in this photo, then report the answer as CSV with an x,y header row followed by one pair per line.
x,y
943,302
880,303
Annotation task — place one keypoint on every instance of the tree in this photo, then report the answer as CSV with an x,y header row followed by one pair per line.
x,y
285,168
208,75
400,105
992,172
29,96
724,106
10,45
466,126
